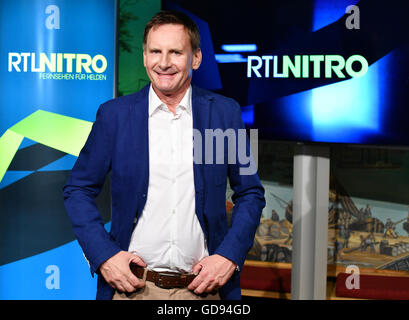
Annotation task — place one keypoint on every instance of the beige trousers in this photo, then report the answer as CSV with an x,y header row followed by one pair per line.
x,y
153,292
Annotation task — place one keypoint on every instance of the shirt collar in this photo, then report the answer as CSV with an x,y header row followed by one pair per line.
x,y
155,102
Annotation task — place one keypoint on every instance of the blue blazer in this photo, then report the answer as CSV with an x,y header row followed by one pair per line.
x,y
118,143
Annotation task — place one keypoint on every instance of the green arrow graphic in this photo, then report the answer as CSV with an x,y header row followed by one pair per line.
x,y
51,129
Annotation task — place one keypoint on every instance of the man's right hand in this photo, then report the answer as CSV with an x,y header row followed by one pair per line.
x,y
117,273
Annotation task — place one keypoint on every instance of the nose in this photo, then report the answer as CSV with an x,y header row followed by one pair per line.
x,y
164,62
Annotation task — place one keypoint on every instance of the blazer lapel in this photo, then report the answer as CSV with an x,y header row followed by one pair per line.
x,y
201,111
201,122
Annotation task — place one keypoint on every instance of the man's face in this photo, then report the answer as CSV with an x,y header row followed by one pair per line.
x,y
169,60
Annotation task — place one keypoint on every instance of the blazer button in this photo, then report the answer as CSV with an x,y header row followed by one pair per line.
x,y
144,196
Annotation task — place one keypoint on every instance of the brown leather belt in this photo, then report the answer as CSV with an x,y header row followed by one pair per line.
x,y
166,280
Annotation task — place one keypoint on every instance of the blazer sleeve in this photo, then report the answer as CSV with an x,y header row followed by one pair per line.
x,y
248,199
85,183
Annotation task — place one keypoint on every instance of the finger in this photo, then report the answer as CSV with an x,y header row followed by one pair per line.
x,y
196,281
117,286
212,287
197,268
134,281
201,288
128,287
141,284
138,260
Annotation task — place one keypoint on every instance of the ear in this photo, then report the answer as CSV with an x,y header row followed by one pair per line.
x,y
197,59
144,56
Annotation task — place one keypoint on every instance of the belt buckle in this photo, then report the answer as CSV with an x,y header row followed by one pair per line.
x,y
159,280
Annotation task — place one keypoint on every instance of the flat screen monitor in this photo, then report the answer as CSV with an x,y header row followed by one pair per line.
x,y
310,70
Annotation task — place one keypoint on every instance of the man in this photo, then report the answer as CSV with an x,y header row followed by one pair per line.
x,y
168,211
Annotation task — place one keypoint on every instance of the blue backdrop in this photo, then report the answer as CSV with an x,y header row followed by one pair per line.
x,y
40,258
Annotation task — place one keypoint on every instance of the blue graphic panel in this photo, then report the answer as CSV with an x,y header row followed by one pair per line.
x,y
61,273
13,176
58,56
23,31
26,143
349,110
65,163
327,12
50,275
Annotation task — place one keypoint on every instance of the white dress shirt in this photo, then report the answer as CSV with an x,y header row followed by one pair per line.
x,y
168,235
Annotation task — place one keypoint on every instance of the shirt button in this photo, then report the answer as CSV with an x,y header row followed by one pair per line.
x,y
174,180
174,211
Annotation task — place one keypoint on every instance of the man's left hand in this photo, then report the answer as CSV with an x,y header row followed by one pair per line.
x,y
214,271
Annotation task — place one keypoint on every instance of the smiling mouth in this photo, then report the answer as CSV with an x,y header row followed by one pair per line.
x,y
165,74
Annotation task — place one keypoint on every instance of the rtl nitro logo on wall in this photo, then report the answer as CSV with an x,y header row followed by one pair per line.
x,y
57,66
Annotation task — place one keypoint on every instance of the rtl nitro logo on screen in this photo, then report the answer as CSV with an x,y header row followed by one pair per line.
x,y
306,66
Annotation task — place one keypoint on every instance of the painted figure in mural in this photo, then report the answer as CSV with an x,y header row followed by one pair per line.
x,y
364,214
338,246
368,241
368,212
289,239
274,215
344,227
361,214
406,225
390,229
